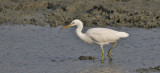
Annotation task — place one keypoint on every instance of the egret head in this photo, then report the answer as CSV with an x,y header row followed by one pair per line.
x,y
75,22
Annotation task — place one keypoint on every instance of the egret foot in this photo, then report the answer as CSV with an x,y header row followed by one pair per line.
x,y
109,52
102,52
102,55
109,55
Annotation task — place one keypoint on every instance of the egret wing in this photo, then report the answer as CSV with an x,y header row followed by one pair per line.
x,y
102,34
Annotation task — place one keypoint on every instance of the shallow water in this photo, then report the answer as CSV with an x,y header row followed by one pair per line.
x,y
35,49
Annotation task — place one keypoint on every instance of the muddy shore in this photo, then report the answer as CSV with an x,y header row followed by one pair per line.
x,y
148,70
128,13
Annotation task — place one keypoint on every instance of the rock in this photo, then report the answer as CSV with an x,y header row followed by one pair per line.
x,y
87,58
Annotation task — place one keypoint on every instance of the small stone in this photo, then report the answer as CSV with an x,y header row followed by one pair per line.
x,y
87,58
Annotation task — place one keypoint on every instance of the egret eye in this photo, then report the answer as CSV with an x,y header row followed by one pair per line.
x,y
72,22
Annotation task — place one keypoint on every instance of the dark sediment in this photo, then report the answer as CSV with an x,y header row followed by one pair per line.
x,y
128,13
87,58
150,69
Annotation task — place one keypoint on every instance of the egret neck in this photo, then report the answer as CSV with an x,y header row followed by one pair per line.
x,y
79,31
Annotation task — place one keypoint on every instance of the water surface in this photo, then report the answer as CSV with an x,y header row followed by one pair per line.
x,y
35,49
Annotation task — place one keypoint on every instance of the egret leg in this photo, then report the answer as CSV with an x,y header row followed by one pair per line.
x,y
102,52
109,52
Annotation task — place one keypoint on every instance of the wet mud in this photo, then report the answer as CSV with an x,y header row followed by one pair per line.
x,y
128,13
148,70
36,49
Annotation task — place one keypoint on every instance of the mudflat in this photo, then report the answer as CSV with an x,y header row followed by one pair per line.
x,y
129,13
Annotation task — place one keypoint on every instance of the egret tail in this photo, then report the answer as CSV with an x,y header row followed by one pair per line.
x,y
122,34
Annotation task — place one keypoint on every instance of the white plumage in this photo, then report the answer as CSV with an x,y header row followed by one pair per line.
x,y
100,36
103,36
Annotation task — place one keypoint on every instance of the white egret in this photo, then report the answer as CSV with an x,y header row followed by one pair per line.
x,y
100,36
